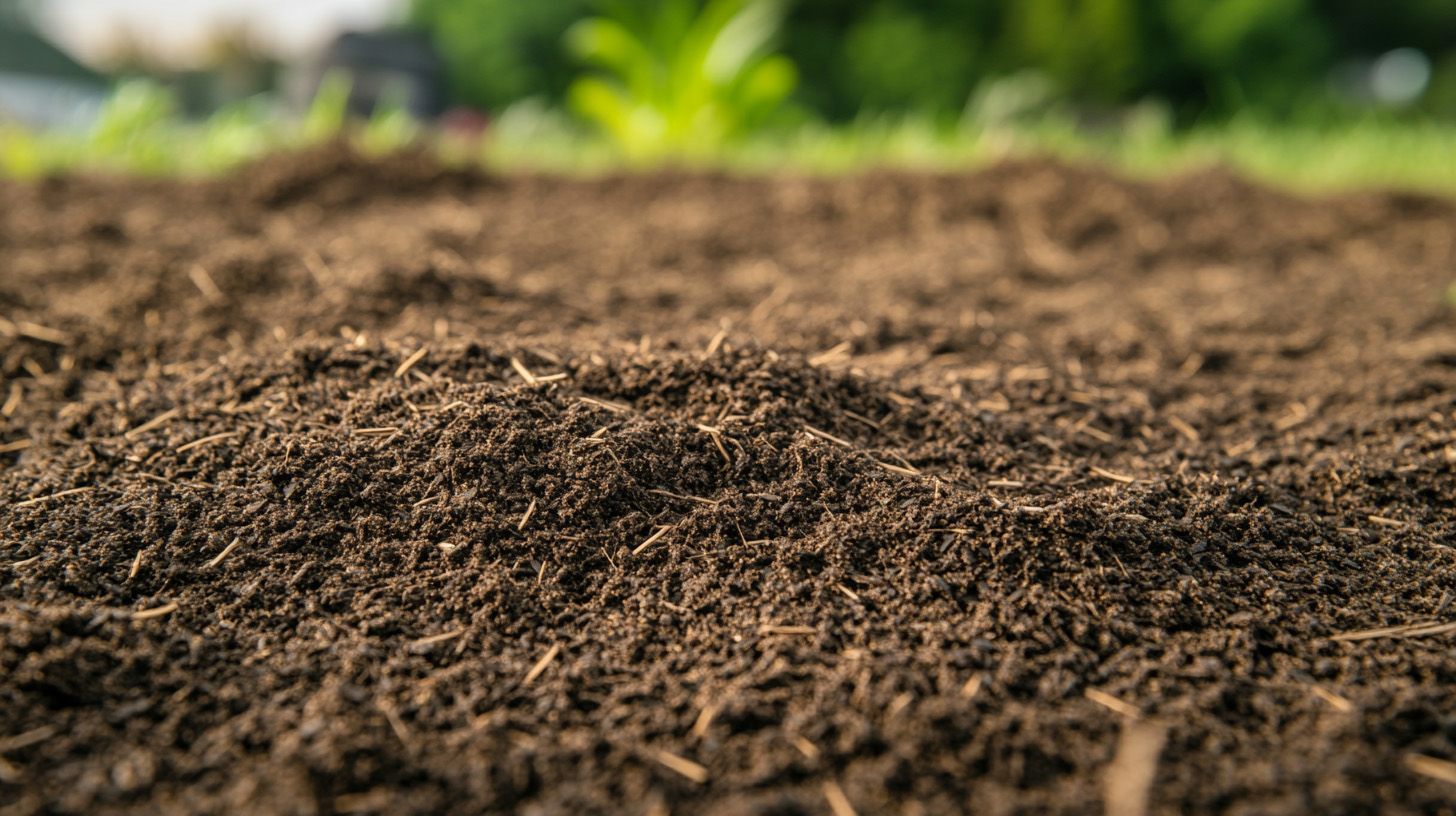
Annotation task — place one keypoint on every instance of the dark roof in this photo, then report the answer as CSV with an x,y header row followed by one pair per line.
x,y
396,49
25,51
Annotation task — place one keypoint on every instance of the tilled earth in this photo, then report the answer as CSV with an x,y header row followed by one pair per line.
x,y
352,487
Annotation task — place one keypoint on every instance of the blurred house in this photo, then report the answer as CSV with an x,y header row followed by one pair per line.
x,y
391,67
41,86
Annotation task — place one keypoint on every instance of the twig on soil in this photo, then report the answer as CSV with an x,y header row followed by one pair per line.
x,y
1188,431
395,723
716,434
681,497
614,407
715,343
705,719
13,400
426,642
224,554
16,446
652,539
831,355
25,739
1386,521
35,331
542,664
62,494
805,747
1433,767
827,437
1129,777
526,516
972,687
410,361
205,284
682,766
1112,476
1337,702
1410,630
136,565
155,612
839,803
155,422
772,629
524,372
206,440
903,471
1113,704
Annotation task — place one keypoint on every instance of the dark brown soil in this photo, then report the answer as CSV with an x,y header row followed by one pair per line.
x,y
1031,490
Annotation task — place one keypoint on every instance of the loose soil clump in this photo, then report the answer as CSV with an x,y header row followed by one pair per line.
x,y
1027,490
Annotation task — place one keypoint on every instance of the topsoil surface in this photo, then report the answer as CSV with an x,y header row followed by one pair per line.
x,y
341,486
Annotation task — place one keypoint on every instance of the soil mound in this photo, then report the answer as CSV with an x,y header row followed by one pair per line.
x,y
336,175
712,495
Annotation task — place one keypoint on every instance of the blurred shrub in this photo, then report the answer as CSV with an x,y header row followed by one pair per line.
x,y
501,51
677,79
859,57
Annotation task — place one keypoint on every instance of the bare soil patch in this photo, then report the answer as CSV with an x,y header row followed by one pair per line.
x,y
373,487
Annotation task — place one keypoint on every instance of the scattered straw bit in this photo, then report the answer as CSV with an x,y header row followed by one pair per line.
x,y
770,629
542,664
136,566
1005,483
1386,521
1337,702
903,471
827,437
16,446
205,284
705,719
224,554
839,352
1128,779
426,642
1434,767
206,440
1113,704
1425,629
1112,476
25,739
155,612
652,539
27,562
13,400
155,422
839,804
682,766
410,361
524,372
35,331
972,687
1188,431
526,516
61,495
682,497
805,747
715,344
614,407
388,430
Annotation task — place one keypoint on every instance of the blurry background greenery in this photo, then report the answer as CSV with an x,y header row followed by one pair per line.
x,y
1309,92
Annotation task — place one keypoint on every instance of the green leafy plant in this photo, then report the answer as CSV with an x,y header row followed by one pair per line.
x,y
680,79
